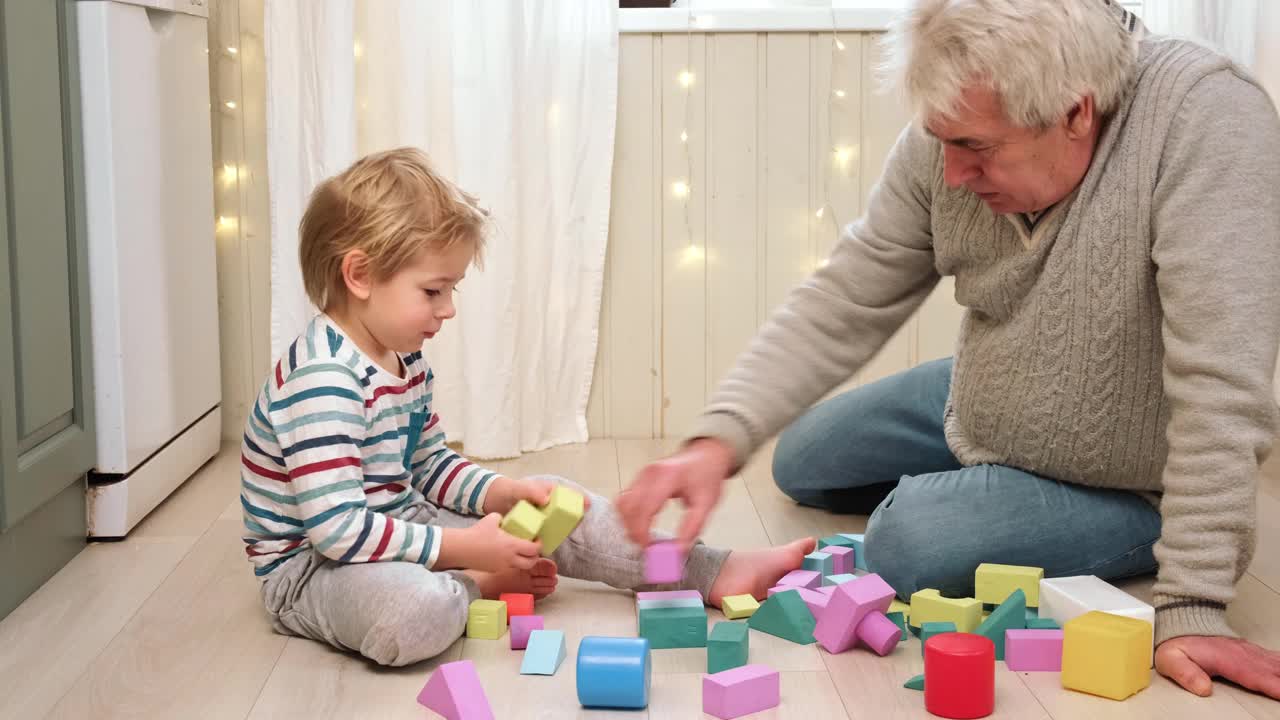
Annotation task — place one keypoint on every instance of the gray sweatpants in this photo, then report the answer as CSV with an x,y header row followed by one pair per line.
x,y
398,613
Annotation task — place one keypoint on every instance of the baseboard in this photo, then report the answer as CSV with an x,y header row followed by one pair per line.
x,y
37,547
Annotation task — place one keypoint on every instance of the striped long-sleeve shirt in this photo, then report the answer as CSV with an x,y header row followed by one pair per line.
x,y
336,446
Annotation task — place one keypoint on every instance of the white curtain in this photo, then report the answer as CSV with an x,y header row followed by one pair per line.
x,y
516,102
1229,26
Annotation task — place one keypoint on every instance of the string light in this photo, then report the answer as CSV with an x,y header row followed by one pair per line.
x,y
226,223
839,45
686,78
684,136
231,104
357,50
233,50
819,213
839,93
823,263
230,174
680,189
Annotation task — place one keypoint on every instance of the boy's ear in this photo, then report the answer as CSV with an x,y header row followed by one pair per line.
x,y
355,273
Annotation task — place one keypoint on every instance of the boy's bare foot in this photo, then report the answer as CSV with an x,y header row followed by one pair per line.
x,y
753,572
540,580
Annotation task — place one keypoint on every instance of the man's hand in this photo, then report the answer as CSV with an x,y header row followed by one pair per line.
x,y
1192,660
695,475
505,492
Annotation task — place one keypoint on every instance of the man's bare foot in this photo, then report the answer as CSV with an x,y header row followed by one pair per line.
x,y
753,572
540,580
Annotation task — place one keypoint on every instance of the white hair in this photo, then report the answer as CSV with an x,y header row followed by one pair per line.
x,y
1040,56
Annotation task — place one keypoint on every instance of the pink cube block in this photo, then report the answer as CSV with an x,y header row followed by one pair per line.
x,y
740,691
842,559
837,629
879,633
663,563
521,626
1033,650
802,578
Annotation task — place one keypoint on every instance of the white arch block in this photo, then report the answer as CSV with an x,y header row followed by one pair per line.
x,y
1066,598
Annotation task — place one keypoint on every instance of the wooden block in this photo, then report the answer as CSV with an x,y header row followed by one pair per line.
x,y
521,627
663,563
613,672
454,691
1011,615
786,616
523,521
802,578
486,619
1043,624
1107,655
929,606
517,604
819,562
930,629
836,541
960,675
676,627
833,580
915,683
736,607
860,562
815,600
843,559
1033,650
994,583
727,646
1064,599
668,598
901,621
545,652
740,691
563,512
837,628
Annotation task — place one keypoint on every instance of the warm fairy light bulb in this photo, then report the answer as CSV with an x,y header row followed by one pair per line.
x,y
839,93
684,136
819,213
843,155
839,45
230,174
680,188
686,78
226,223
233,51
357,50
231,104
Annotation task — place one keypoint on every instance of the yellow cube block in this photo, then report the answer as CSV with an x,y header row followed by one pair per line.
x,y
930,606
736,607
1107,655
524,521
993,584
563,513
486,619
899,606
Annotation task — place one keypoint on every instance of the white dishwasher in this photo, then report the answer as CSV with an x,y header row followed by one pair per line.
x,y
148,165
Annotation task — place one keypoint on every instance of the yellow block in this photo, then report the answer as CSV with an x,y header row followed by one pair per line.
x,y
899,606
993,584
563,513
1107,655
486,619
524,521
736,607
929,606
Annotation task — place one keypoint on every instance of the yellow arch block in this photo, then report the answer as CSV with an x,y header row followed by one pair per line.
x,y
929,606
993,584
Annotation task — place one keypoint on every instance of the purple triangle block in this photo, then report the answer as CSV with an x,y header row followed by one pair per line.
x,y
454,692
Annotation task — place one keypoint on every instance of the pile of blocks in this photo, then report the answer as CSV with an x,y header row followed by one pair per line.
x,y
551,523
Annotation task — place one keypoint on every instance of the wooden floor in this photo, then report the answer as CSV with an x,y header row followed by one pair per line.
x,y
168,624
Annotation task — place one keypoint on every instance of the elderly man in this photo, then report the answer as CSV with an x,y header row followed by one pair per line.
x,y
1109,205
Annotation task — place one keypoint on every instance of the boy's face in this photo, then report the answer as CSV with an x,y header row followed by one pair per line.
x,y
411,306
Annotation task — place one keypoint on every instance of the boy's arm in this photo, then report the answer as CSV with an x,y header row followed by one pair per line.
x,y
445,477
317,412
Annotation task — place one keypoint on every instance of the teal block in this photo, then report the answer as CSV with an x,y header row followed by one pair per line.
x,y
544,653
819,562
787,616
1040,623
838,579
915,683
860,560
838,540
930,629
901,621
678,627
1010,615
1032,614
727,647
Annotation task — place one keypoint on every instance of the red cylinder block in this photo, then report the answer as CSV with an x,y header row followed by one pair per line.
x,y
959,676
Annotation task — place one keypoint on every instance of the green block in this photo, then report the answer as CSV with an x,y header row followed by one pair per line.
x,y
1011,615
837,540
930,629
915,683
819,562
1032,614
727,647
675,627
1040,623
786,616
901,621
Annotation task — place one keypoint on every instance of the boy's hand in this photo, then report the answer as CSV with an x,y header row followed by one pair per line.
x,y
485,546
506,492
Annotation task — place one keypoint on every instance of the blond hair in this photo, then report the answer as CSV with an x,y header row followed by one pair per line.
x,y
389,205
1040,56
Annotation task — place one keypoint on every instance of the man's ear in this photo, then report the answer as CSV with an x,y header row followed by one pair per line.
x,y
356,275
1081,118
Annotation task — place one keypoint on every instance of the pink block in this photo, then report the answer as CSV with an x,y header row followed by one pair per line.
x,y
740,691
852,601
454,691
521,626
827,590
669,595
1033,650
802,578
879,633
816,601
842,559
663,563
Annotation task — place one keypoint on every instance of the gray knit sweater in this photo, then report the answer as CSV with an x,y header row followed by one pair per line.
x,y
1132,345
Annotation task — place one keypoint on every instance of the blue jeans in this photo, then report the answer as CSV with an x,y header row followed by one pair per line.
x,y
880,449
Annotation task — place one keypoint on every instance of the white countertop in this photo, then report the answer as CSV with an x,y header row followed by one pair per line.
x,y
762,15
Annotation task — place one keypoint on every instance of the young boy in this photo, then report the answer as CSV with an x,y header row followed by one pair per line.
x,y
366,530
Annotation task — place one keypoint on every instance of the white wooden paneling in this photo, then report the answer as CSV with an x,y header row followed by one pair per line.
x,y
778,126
